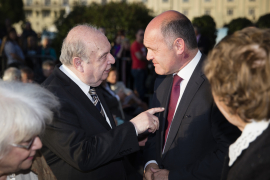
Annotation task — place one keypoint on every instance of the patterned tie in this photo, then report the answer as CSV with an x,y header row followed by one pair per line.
x,y
173,102
96,101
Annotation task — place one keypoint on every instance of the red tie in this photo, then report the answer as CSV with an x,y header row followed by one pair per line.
x,y
173,102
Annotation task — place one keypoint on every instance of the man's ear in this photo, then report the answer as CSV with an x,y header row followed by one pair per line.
x,y
77,64
179,45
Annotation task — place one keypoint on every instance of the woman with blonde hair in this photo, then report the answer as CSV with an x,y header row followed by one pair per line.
x,y
24,111
238,69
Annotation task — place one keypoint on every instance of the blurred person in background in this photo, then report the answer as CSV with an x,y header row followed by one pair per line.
x,y
31,53
24,111
12,74
238,70
27,32
139,63
12,50
46,51
47,68
203,41
27,75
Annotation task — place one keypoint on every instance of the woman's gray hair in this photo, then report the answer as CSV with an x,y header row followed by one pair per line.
x,y
24,110
76,47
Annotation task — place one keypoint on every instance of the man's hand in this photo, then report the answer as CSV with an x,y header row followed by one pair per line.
x,y
148,173
147,121
159,174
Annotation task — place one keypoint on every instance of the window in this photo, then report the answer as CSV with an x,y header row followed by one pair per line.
x,y
229,12
207,11
46,13
37,13
55,14
144,1
230,0
185,0
65,2
103,1
29,2
252,0
185,12
164,0
84,2
28,13
47,2
251,11
207,0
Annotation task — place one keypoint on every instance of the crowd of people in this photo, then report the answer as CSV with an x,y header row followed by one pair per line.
x,y
26,53
209,116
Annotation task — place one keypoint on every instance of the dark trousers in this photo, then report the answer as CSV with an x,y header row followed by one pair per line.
x,y
139,76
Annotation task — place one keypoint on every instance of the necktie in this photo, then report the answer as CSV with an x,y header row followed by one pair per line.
x,y
172,104
96,101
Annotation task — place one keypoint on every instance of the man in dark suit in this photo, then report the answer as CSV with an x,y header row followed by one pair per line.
x,y
83,141
193,137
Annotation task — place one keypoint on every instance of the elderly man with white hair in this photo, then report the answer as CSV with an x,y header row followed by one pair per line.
x,y
83,142
12,74
24,111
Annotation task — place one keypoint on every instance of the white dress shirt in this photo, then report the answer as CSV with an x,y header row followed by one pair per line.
x,y
185,74
84,87
250,133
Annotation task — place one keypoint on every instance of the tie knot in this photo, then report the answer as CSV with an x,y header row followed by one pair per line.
x,y
92,91
176,80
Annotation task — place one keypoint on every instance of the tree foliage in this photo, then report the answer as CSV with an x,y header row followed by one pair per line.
x,y
207,27
264,21
238,24
112,16
12,9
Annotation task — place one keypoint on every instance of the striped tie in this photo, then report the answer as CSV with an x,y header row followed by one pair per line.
x,y
96,101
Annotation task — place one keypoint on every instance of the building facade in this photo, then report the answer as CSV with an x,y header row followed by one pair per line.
x,y
43,13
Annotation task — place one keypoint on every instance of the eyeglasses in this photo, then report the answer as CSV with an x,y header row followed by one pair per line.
x,y
25,145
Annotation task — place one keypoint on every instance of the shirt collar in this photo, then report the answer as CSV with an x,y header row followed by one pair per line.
x,y
84,87
250,133
187,71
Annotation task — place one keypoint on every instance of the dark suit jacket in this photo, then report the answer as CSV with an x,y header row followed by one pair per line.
x,y
199,136
112,103
79,144
253,163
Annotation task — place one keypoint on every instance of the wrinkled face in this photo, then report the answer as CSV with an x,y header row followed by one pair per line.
x,y
164,58
112,78
18,158
100,60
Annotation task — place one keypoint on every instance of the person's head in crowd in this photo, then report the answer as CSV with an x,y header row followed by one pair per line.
x,y
27,75
238,69
8,24
28,26
139,35
31,42
12,74
196,30
86,52
171,42
45,42
47,68
12,35
113,76
24,111
126,44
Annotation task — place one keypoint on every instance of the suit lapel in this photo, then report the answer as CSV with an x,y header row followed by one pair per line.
x,y
106,108
79,95
164,95
192,87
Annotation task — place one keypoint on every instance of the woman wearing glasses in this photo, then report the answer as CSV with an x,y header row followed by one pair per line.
x,y
24,111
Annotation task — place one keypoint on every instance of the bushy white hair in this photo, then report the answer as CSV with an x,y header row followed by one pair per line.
x,y
24,111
